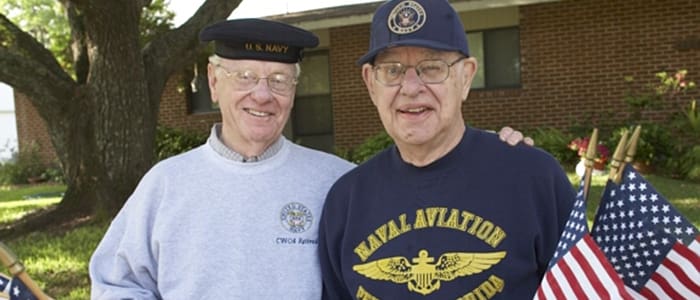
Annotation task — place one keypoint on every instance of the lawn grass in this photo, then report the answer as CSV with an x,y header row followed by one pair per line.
x,y
13,210
22,192
58,261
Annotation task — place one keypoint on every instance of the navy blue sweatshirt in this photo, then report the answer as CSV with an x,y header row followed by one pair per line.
x,y
481,222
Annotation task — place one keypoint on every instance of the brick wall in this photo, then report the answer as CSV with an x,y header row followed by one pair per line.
x,y
31,130
174,111
354,116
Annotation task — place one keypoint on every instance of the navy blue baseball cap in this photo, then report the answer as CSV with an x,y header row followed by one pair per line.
x,y
259,40
430,24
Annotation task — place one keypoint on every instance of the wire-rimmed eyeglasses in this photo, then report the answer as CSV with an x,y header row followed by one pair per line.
x,y
246,80
430,71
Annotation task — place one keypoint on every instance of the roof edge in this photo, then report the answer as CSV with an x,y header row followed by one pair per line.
x,y
354,14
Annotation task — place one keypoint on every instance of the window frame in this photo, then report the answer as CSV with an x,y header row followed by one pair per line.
x,y
486,52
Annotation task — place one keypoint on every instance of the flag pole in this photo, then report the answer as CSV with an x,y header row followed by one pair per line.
x,y
588,163
4,295
631,151
10,260
618,157
632,147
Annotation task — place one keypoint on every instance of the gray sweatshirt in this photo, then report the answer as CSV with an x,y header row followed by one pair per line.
x,y
201,226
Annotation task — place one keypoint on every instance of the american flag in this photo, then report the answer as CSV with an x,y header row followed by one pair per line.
x,y
4,286
653,248
579,269
14,289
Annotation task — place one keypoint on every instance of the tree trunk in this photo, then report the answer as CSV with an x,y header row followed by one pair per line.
x,y
108,152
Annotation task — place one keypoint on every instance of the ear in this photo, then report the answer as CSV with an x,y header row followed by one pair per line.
x,y
211,80
368,77
469,67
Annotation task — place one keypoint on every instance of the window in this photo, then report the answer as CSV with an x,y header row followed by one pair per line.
x,y
196,85
312,116
198,90
498,54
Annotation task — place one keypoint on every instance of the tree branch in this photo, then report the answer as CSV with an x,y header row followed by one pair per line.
x,y
78,45
175,49
29,67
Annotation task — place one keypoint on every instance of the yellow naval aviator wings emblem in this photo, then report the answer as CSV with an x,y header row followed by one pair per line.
x,y
422,275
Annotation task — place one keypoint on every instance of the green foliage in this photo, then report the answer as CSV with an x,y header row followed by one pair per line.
x,y
692,114
155,19
556,143
369,148
171,141
27,167
46,21
14,192
690,164
54,173
668,90
343,153
26,164
13,210
58,262
640,98
655,145
669,146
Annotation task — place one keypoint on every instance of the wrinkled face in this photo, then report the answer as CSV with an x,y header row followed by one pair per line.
x,y
252,113
415,113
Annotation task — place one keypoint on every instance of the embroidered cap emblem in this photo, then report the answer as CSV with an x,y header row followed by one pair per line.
x,y
296,217
406,17
423,274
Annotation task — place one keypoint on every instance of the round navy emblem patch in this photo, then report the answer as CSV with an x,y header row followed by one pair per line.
x,y
296,217
406,17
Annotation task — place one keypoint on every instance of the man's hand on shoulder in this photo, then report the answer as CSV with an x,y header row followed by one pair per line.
x,y
513,137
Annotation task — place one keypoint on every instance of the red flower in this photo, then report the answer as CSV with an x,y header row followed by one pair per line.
x,y
581,145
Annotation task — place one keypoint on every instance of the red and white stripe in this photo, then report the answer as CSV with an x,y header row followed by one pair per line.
x,y
678,276
582,273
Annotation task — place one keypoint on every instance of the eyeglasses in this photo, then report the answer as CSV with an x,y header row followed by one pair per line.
x,y
429,71
246,80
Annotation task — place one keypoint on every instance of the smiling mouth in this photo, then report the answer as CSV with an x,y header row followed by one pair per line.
x,y
257,113
415,110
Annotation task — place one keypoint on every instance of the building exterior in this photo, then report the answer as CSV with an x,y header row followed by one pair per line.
x,y
8,126
542,63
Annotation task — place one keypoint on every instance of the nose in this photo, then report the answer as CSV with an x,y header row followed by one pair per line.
x,y
261,92
411,82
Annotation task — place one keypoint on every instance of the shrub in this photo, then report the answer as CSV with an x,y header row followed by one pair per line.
x,y
25,165
54,173
556,143
172,141
655,147
690,164
369,148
